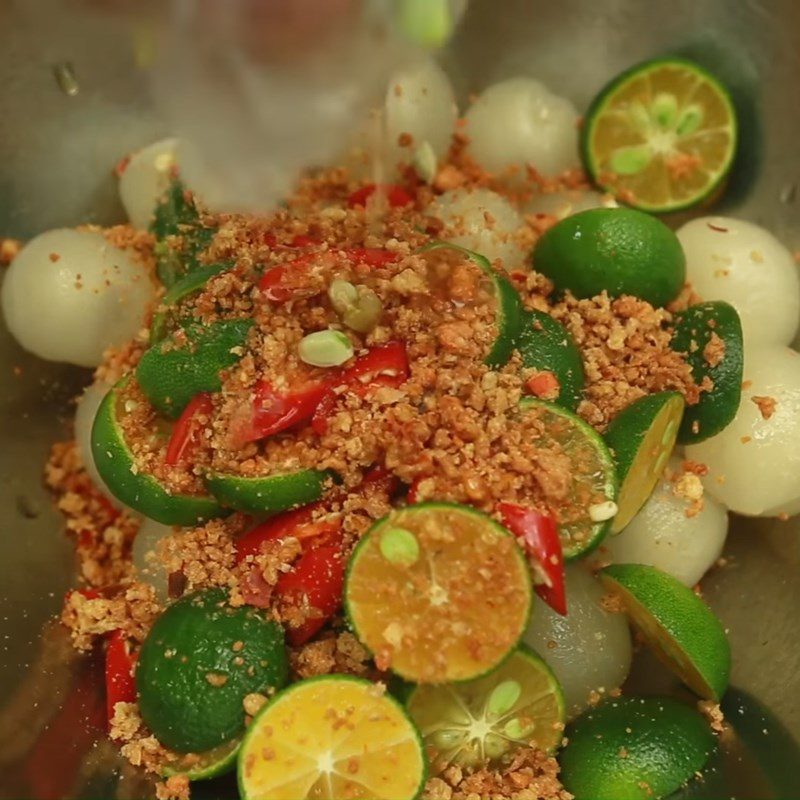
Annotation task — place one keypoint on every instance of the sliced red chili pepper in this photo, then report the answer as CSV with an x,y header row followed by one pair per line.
x,y
286,281
120,682
384,365
543,384
538,534
396,195
186,433
413,491
316,582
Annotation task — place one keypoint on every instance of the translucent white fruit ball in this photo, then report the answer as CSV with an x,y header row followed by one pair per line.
x,y
663,536
745,265
518,122
70,294
754,464
483,221
589,649
145,179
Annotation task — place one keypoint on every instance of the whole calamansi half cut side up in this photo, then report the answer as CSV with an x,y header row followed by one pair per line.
x,y
438,592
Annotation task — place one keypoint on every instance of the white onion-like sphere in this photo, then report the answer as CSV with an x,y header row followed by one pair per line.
x,y
568,202
518,122
145,179
70,294
590,648
149,567
420,102
745,265
465,213
662,536
754,463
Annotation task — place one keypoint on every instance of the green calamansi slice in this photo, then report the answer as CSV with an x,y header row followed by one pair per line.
x,y
189,361
547,346
438,592
509,305
642,436
269,493
680,628
180,234
615,250
710,335
634,748
141,492
662,136
492,717
204,766
165,318
200,660
592,491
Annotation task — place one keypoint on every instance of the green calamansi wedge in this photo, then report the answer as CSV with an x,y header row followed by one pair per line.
x,y
204,766
585,519
710,335
269,493
509,305
189,361
200,660
330,738
546,346
438,592
634,748
662,136
642,436
492,717
141,492
164,320
679,627
615,250
180,234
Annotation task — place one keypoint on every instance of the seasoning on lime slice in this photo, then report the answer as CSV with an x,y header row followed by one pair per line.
x,y
509,305
329,738
634,748
680,628
189,361
438,592
278,492
490,718
142,492
662,136
642,436
200,660
614,250
710,334
204,766
585,514
547,346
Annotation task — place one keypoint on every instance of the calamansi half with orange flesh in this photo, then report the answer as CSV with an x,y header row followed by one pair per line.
x,y
438,592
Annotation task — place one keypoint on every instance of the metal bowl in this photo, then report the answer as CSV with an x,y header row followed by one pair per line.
x,y
73,102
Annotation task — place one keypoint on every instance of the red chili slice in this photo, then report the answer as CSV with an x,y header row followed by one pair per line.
x,y
396,195
120,682
185,436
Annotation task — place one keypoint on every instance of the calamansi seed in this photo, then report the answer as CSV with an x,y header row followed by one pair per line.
x,y
399,546
343,295
514,729
325,348
447,739
503,697
494,746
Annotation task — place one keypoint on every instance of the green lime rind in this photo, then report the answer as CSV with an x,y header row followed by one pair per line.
x,y
189,361
176,216
141,492
258,720
634,748
546,345
620,251
681,629
204,766
578,540
640,460
693,330
471,702
164,318
604,99
375,528
199,661
509,304
278,492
